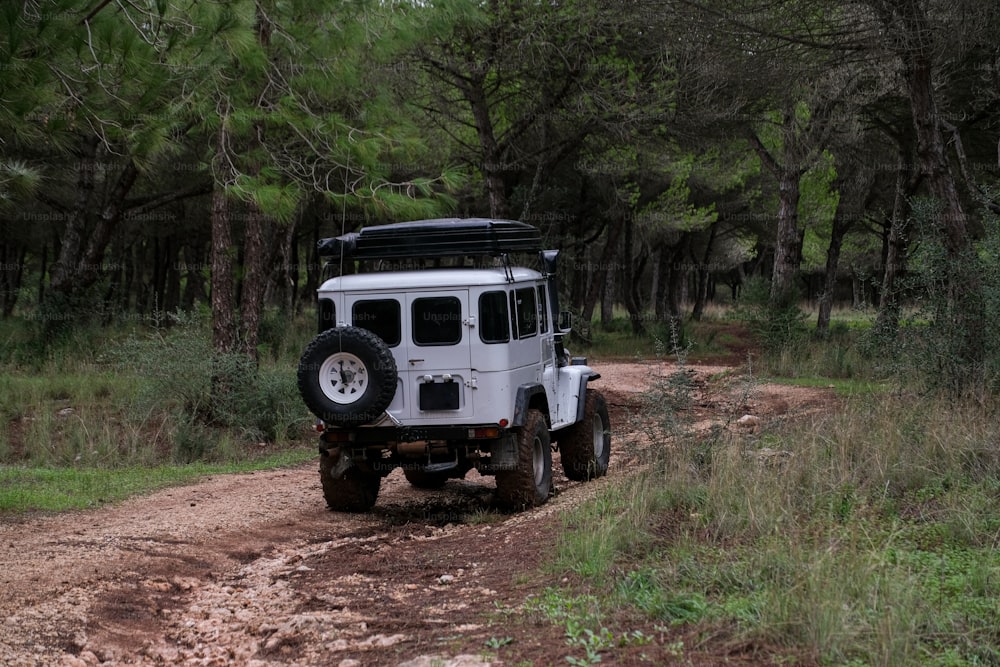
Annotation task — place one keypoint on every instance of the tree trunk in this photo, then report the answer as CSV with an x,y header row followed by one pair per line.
x,y
172,279
964,309
788,239
704,272
72,239
223,295
662,281
11,273
492,165
42,272
286,270
841,224
677,276
887,321
314,268
194,283
258,252
607,299
598,277
788,242
630,280
91,267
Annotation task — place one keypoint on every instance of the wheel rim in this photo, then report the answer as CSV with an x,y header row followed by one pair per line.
x,y
598,436
538,462
343,378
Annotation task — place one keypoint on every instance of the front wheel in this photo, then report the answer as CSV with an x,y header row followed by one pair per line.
x,y
586,446
347,487
530,482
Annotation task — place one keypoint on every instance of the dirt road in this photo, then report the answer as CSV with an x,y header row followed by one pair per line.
x,y
254,570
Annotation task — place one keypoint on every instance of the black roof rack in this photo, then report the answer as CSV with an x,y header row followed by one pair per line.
x,y
443,237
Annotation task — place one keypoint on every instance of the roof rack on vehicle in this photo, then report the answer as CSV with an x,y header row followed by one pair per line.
x,y
435,238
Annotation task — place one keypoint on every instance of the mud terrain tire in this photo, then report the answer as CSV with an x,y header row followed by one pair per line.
x,y
347,376
347,487
530,483
586,446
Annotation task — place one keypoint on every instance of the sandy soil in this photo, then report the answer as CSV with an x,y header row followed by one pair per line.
x,y
254,570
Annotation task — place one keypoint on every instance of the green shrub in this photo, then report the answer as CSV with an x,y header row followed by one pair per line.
x,y
773,324
947,343
203,390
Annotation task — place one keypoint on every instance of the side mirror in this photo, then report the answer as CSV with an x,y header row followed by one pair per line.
x,y
565,320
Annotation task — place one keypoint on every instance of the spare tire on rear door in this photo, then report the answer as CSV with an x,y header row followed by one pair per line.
x,y
347,376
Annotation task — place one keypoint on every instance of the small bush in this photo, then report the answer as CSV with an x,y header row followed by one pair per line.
x,y
774,324
948,343
204,390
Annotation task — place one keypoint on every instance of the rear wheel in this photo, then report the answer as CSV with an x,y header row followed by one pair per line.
x,y
347,487
530,482
586,446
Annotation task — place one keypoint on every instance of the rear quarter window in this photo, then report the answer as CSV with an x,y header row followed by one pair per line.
x,y
522,302
494,318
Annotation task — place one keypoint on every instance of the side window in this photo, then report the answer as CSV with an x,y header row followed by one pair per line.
x,y
543,311
327,314
437,320
522,302
494,319
381,317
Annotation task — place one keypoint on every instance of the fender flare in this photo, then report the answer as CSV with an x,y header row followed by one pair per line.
x,y
523,400
581,401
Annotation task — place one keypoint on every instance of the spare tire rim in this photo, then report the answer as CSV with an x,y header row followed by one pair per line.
x,y
343,378
598,436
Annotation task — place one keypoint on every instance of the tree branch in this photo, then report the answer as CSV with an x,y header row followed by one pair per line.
x,y
137,207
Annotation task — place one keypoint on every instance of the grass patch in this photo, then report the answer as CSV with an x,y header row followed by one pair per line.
x,y
58,489
846,387
713,339
865,536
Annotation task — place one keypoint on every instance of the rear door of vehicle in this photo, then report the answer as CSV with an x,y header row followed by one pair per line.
x,y
437,369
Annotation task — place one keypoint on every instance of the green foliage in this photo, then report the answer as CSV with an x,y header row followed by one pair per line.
x,y
863,535
17,181
673,210
945,343
57,489
204,390
643,589
817,206
582,617
97,403
842,359
774,324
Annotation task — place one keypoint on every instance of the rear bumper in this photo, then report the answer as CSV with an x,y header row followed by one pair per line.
x,y
389,436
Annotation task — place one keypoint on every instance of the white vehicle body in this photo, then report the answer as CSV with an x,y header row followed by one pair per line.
x,y
483,370
439,366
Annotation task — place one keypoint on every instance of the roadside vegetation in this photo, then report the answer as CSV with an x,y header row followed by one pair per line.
x,y
863,534
100,413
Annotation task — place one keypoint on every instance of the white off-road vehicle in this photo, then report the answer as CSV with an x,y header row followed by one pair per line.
x,y
437,354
